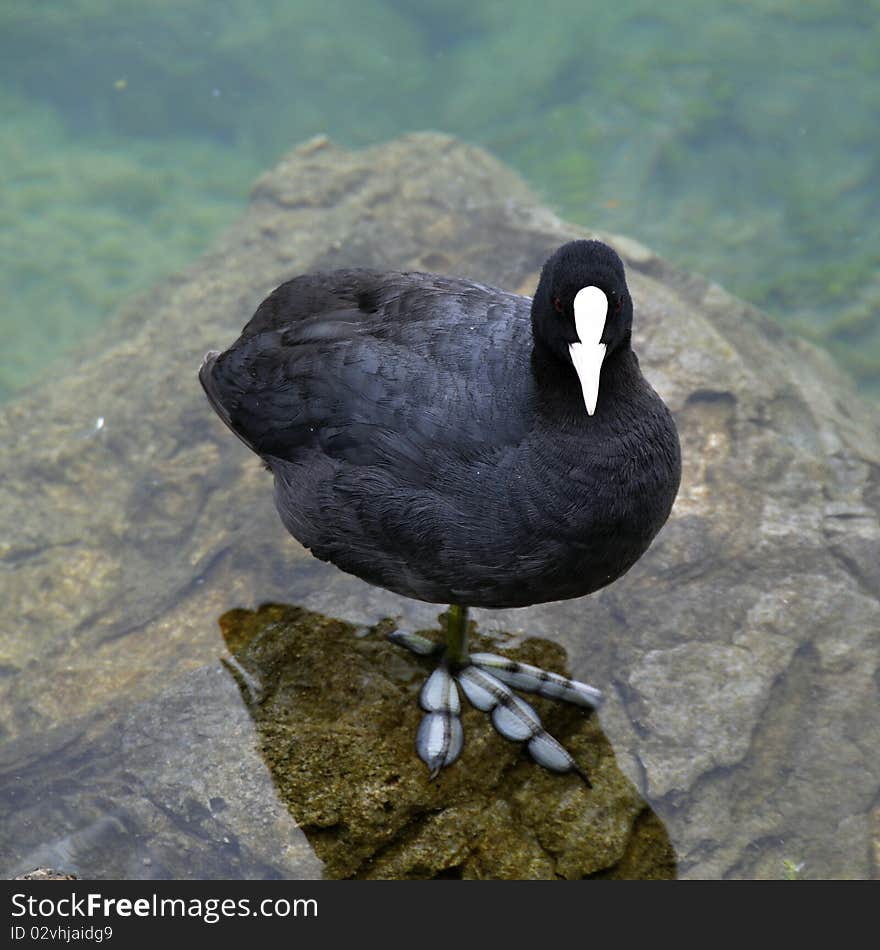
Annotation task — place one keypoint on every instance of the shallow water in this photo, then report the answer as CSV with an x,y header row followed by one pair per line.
x,y
738,141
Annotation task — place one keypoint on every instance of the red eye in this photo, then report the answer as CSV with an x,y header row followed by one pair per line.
x,y
558,304
619,305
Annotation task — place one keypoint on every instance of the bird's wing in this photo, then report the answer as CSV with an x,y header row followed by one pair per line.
x,y
391,370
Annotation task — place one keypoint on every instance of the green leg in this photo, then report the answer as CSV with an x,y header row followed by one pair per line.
x,y
457,635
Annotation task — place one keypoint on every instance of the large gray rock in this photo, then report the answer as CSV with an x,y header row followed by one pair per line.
x,y
740,656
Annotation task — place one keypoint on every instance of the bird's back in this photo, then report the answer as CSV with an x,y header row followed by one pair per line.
x,y
356,363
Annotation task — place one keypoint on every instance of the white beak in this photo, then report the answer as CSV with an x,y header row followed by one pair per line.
x,y
587,362
590,310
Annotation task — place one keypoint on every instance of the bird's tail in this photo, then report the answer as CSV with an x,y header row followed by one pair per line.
x,y
221,399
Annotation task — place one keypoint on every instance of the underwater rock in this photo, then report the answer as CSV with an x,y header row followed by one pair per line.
x,y
739,656
174,787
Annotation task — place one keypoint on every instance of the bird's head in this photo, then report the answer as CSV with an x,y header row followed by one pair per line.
x,y
582,310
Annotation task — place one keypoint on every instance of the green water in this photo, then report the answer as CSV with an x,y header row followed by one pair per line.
x,y
739,140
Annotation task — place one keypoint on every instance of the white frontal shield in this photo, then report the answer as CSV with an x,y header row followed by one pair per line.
x,y
590,311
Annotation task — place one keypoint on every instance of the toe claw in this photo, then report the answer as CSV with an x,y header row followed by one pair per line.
x,y
546,751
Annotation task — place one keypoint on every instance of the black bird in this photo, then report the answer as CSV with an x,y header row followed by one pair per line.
x,y
461,445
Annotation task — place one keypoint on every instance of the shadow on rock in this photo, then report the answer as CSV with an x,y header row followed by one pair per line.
x,y
336,714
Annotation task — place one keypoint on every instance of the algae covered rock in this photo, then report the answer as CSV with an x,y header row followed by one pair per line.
x,y
337,713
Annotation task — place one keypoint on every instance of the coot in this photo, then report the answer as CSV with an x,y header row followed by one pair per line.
x,y
461,445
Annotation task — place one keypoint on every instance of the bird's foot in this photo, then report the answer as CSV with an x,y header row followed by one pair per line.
x,y
485,679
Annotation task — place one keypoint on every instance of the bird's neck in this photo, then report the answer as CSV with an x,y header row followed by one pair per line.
x,y
559,389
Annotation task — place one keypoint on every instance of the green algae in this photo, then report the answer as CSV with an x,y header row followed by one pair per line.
x,y
83,225
336,711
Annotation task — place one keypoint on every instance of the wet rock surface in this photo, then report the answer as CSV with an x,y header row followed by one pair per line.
x,y
173,787
739,657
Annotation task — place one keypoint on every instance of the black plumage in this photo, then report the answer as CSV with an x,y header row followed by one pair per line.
x,y
429,434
